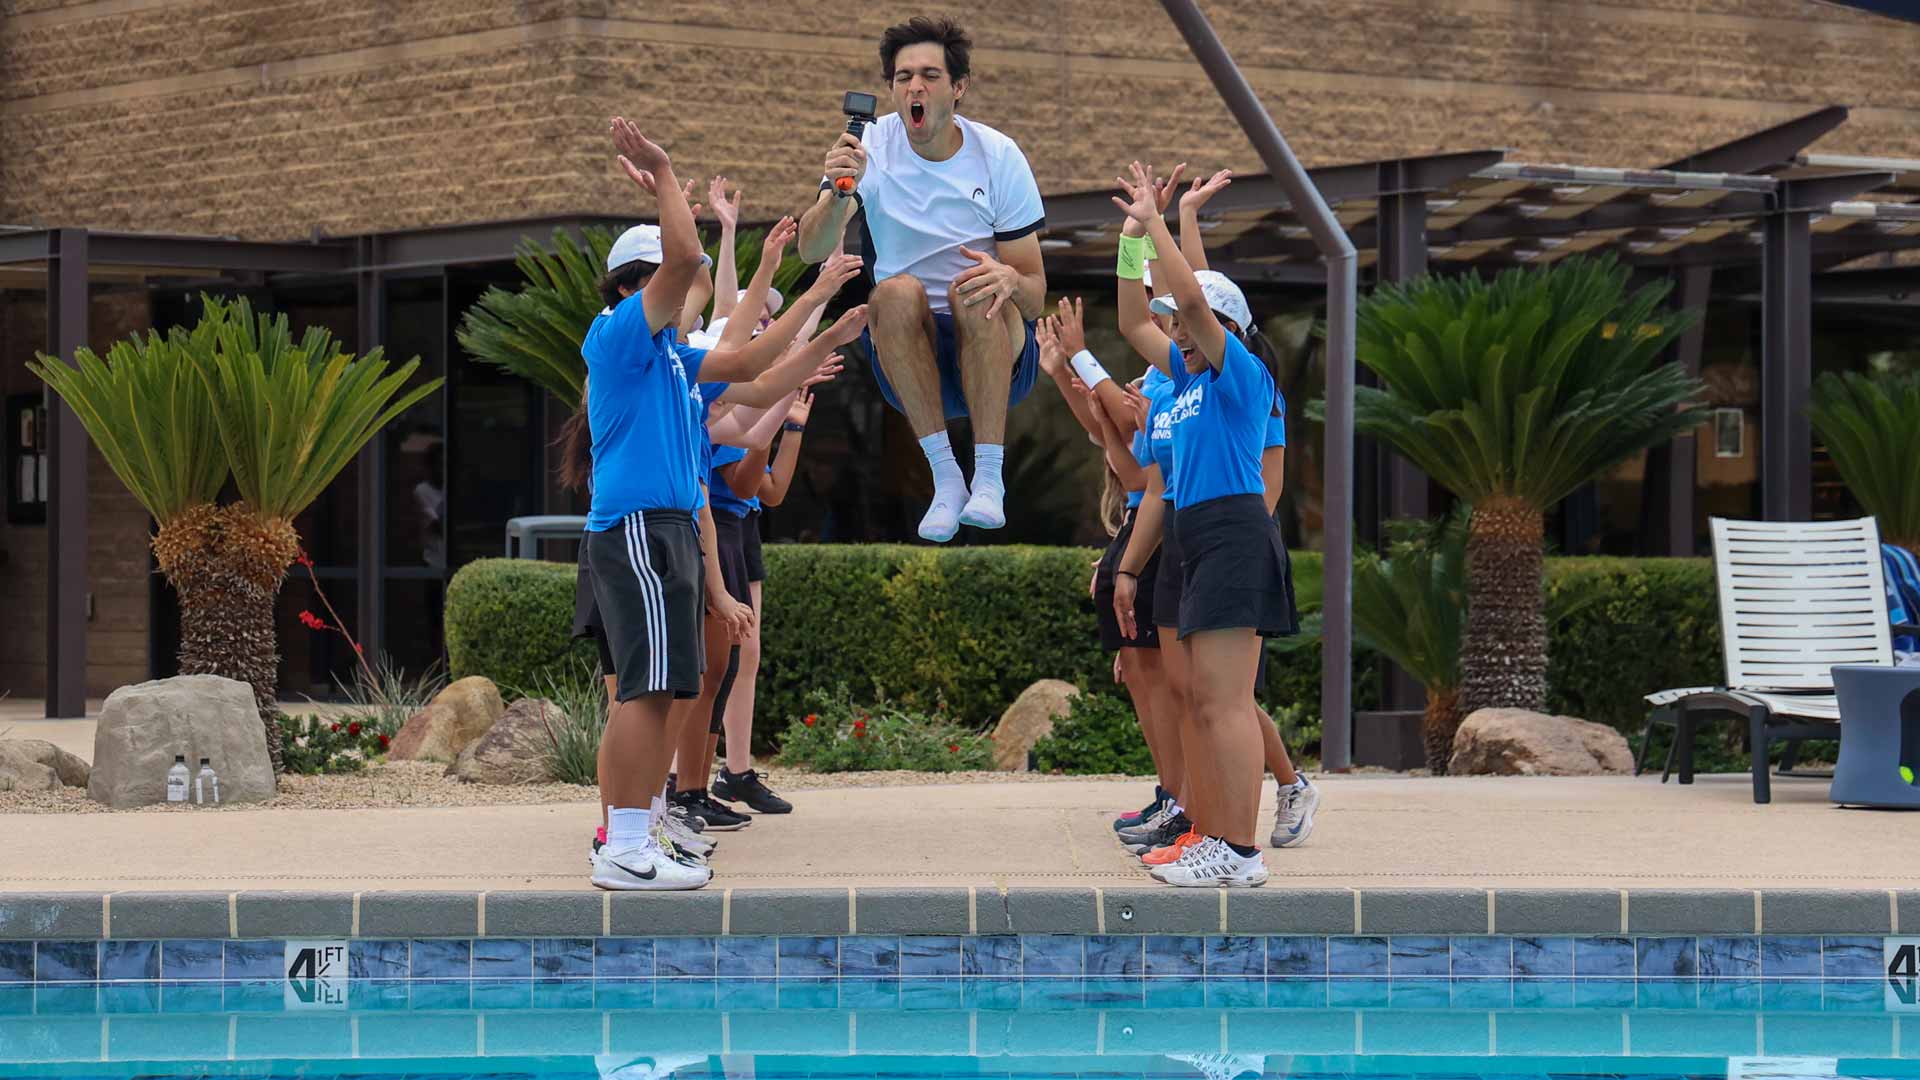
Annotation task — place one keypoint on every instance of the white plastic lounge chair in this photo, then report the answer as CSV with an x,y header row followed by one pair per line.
x,y
1796,598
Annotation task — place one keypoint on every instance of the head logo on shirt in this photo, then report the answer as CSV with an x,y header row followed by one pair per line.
x,y
980,193
1187,405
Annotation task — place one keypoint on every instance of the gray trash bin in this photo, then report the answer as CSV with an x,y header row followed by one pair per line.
x,y
524,534
1879,736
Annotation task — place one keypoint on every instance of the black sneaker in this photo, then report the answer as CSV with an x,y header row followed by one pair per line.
x,y
1174,828
712,816
748,788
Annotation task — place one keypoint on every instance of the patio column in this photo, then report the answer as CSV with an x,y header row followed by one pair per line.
x,y
1682,463
67,482
1402,486
371,566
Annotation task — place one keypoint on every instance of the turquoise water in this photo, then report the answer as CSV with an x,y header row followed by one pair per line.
x,y
1217,1029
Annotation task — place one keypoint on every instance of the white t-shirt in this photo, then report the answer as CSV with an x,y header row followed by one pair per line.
x,y
920,213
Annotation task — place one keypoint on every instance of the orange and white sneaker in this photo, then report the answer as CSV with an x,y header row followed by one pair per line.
x,y
1172,852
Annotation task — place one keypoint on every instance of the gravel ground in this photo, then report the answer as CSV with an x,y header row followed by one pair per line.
x,y
410,783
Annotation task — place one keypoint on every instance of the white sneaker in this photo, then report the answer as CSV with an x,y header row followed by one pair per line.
x,y
685,838
942,519
646,868
1212,864
1293,822
985,509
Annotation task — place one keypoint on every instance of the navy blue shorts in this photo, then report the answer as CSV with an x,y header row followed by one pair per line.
x,y
946,356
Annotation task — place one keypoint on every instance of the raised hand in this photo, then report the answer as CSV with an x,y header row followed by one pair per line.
x,y
847,158
1163,190
802,405
828,368
726,209
1137,404
1140,203
1052,360
1071,326
1203,190
645,154
847,327
774,247
834,275
988,280
686,192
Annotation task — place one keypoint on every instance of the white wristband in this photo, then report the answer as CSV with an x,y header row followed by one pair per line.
x,y
1089,369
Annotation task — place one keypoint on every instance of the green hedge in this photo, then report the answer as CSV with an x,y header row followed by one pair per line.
x,y
972,627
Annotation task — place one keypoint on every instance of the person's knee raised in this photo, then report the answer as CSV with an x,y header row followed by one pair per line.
x,y
899,300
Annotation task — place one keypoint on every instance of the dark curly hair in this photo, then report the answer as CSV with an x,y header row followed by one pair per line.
x,y
920,29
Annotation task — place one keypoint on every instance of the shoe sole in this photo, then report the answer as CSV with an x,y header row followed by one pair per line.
x,y
761,810
1211,884
625,885
713,826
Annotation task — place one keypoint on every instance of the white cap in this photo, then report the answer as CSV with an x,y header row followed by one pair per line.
x,y
641,244
1223,296
774,300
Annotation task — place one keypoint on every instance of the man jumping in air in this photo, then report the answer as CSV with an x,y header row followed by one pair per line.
x,y
953,216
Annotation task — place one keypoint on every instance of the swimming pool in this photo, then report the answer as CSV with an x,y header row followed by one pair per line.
x,y
1031,1029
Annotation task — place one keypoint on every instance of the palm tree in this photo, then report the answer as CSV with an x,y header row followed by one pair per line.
x,y
1871,428
235,397
1411,607
536,332
1512,393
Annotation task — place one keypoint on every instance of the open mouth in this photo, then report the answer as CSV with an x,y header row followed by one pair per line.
x,y
917,116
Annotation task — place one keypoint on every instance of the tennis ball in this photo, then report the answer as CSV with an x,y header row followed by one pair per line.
x,y
1906,774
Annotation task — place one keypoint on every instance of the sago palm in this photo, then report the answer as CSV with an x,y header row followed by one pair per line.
x,y
1410,606
1871,428
536,331
236,396
1512,393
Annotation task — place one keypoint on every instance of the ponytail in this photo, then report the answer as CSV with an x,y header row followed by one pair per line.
x,y
576,449
1113,503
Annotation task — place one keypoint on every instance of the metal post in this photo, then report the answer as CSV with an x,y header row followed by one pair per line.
x,y
1696,289
371,567
1403,487
1786,368
1336,675
67,448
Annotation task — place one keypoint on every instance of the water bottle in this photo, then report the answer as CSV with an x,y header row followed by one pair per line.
x,y
177,779
206,786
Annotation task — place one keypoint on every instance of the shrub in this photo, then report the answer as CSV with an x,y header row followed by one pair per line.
x,y
579,693
312,745
1099,735
1644,625
838,736
512,621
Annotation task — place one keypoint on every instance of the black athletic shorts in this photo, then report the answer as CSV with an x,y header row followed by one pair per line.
x,y
729,538
750,533
1167,584
1148,635
1235,569
586,613
647,585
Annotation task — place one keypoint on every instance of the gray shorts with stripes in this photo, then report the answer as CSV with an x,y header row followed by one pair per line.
x,y
647,583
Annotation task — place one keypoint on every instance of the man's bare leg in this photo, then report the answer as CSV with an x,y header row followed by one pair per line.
x,y
988,348
635,751
903,336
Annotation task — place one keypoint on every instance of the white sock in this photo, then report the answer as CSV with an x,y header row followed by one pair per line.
x,y
949,489
628,828
985,508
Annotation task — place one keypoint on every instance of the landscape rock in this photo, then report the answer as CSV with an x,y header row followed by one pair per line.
x,y
476,705
1518,742
514,750
438,733
143,726
38,765
1028,720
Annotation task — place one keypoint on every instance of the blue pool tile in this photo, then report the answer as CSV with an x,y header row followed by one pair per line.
x,y
1367,993
1604,993
735,995
1296,993
1174,994
805,994
1357,956
259,996
1666,994
864,956
1235,955
256,959
1666,957
1853,995
861,992
503,958
442,958
1419,956
923,957
932,995
1480,993
1482,957
1419,993
1730,957
439,995
67,1000
190,960
1603,957
502,994
1793,996
1543,993
67,961
16,961
632,958
1116,955
1730,995
131,998
1542,957
803,957
991,956
16,999
1115,993
993,995
1236,992
1183,956
565,958
1293,955
626,995
378,995
569,994
123,960
689,957
1786,957
747,957
190,997
1052,955
1052,994
379,959
1851,958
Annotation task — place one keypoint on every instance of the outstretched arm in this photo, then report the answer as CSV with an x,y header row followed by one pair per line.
x,y
1053,361
780,481
1193,246
1136,323
825,222
748,361
813,362
726,275
1208,335
647,165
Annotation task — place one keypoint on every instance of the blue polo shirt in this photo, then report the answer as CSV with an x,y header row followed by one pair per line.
x,y
641,411
717,488
1160,420
1142,448
1219,421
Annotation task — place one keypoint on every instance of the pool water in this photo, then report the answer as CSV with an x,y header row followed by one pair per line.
x,y
1216,1029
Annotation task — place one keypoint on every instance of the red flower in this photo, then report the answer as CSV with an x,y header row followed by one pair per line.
x,y
953,748
353,729
357,650
303,560
859,732
810,720
384,741
859,725
312,621
335,727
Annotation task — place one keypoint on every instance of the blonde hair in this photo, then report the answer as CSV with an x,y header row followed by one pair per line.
x,y
1113,503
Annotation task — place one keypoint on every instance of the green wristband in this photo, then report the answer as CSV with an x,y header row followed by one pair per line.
x,y
1153,253
1132,264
